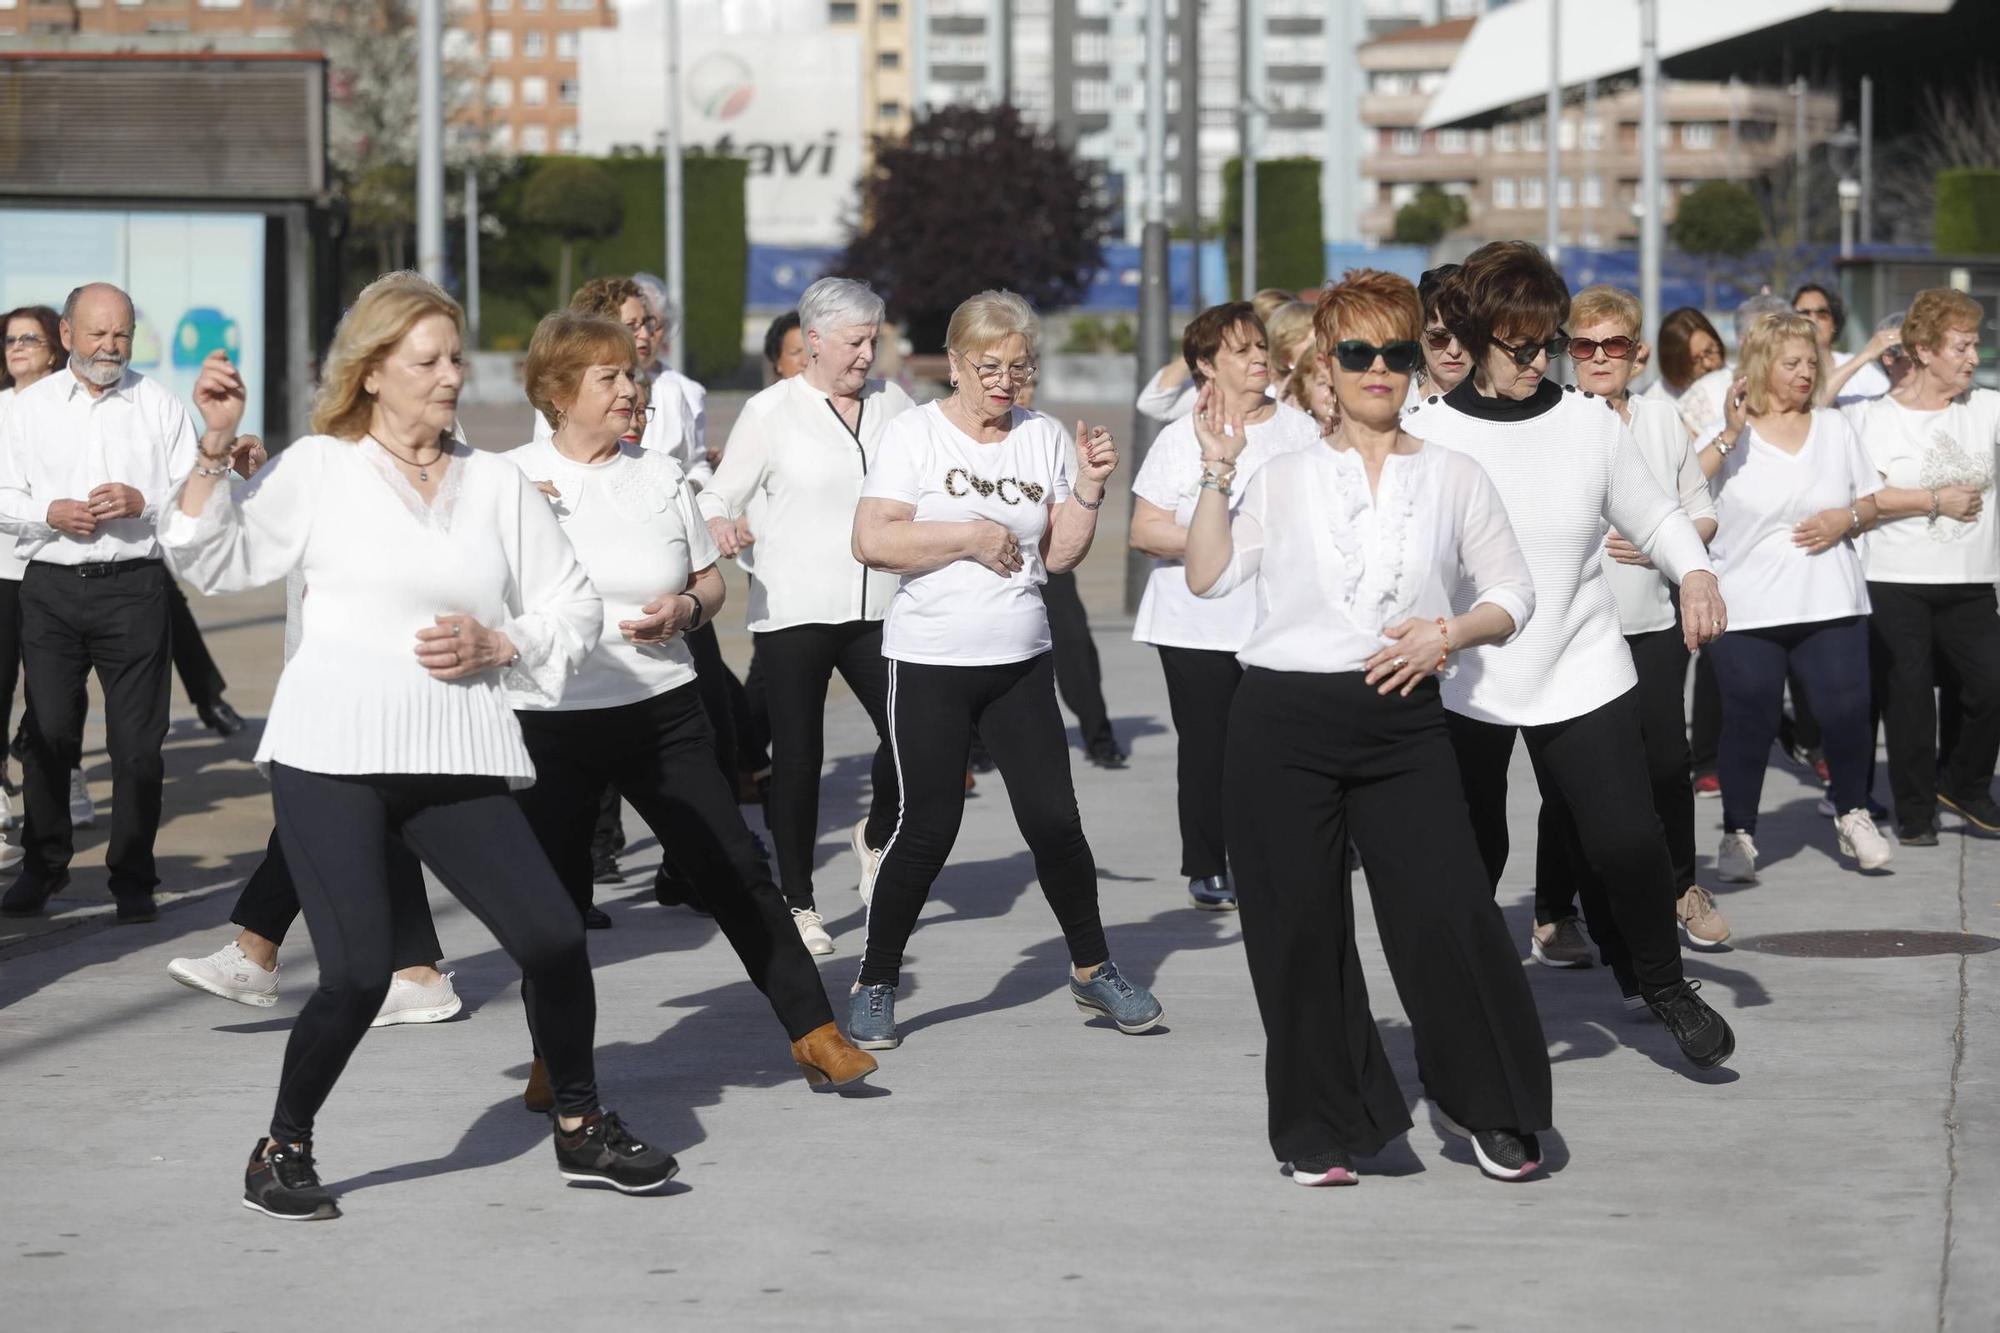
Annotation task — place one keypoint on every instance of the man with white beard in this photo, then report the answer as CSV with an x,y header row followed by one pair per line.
x,y
88,457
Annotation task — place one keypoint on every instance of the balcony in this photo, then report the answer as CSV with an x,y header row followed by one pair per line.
x,y
1393,108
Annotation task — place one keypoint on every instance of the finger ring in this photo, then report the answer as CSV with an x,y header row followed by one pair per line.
x,y
1402,662
455,629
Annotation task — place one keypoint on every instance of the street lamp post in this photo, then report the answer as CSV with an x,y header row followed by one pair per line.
x,y
430,139
1850,209
670,150
1652,227
1247,136
1153,349
1552,212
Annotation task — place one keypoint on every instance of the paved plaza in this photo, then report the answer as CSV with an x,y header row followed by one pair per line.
x,y
1011,1165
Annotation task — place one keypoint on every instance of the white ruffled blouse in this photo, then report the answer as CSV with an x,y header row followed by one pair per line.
x,y
380,565
1334,565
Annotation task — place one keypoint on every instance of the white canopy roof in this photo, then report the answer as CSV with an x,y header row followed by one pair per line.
x,y
1506,58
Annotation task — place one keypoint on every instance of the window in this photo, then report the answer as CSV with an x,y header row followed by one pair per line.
x,y
890,110
1532,193
1565,193
566,140
499,45
1593,190
578,6
1593,134
1407,142
499,6
889,10
1092,48
499,92
1534,136
533,6
1566,135
1503,192
566,46
1506,137
534,45
1698,134
534,139
534,91
1093,95
842,11
1451,141
569,91
888,60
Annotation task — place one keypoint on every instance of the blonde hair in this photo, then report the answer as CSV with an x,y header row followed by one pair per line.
x,y
1268,299
1289,329
565,345
1602,302
380,318
1764,344
988,318
1297,389
1936,312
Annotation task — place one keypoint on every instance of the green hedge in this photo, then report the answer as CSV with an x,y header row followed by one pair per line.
x,y
1968,213
515,296
1291,252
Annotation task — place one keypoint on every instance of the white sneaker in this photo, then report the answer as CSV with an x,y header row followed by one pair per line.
x,y
230,974
82,812
871,861
8,819
1860,839
411,1002
812,930
11,855
1736,859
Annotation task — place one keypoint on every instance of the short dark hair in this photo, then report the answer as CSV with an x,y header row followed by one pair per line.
x,y
1833,303
1205,332
1676,348
51,324
1507,285
1431,283
774,337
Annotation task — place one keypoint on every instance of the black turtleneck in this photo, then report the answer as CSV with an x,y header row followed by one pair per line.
x,y
1473,403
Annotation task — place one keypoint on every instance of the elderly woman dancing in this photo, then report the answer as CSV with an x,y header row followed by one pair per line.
x,y
1354,548
440,581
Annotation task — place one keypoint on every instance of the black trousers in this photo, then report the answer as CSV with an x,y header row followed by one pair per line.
x,y
1561,872
10,650
1918,632
116,623
798,663
200,677
336,833
1200,684
660,755
1079,675
932,713
1595,764
269,903
715,680
1705,721
753,725
1310,757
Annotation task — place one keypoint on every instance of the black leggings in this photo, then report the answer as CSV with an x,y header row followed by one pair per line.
x,y
1831,659
1919,633
1079,675
1594,763
660,753
932,713
1200,684
10,651
798,662
1310,757
336,832
1661,658
269,903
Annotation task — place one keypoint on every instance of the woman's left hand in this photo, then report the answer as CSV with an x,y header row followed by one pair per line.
x,y
1823,531
459,646
1096,455
662,620
1625,553
1401,667
247,455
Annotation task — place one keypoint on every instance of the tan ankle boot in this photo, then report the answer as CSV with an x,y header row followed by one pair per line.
x,y
827,1056
539,1097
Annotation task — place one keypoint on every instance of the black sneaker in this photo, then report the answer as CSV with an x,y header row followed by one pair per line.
x,y
594,918
1106,754
601,1151
1704,1035
1918,835
284,1185
1332,1167
1978,811
136,909
30,892
219,718
1505,1155
604,869
673,889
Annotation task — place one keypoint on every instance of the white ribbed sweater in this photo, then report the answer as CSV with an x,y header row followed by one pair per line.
x,y
1568,471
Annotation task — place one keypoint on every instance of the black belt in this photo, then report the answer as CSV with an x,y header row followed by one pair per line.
x,y
101,569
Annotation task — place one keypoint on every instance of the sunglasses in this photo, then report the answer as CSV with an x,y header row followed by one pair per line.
x,y
1401,357
1438,339
1618,349
1524,355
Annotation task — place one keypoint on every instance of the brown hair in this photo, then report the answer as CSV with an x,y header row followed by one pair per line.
x,y
1202,338
565,345
1504,286
51,324
605,296
1370,304
1936,312
380,318
1676,349
1762,346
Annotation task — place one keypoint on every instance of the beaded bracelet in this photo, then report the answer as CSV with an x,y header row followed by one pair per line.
x,y
1444,628
1216,484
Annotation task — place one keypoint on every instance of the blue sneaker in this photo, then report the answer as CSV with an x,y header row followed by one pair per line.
x,y
1132,1008
1212,893
871,1018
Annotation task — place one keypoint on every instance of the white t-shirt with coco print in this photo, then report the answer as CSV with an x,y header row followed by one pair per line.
x,y
964,614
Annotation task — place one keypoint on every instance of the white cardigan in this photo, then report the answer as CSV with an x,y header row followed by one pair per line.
x,y
381,565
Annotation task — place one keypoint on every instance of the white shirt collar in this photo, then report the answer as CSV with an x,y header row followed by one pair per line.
x,y
127,381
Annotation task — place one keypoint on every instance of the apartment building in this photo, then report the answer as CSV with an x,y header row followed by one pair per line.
x,y
1711,131
221,19
525,52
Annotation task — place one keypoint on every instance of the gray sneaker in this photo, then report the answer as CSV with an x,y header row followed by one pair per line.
x,y
1131,1007
871,1018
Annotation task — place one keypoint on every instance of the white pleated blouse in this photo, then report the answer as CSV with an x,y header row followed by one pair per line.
x,y
380,565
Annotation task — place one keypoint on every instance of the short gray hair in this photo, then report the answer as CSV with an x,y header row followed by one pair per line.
x,y
76,295
839,303
1890,323
653,295
991,317
1761,306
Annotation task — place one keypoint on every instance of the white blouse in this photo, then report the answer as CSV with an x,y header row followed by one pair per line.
x,y
633,523
379,565
1333,566
790,449
1645,596
13,566
1170,479
1953,446
1760,493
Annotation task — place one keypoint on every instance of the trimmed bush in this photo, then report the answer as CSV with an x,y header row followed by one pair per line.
x,y
1968,213
1290,250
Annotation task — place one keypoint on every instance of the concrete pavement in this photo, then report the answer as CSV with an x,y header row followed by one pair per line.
x,y
1012,1165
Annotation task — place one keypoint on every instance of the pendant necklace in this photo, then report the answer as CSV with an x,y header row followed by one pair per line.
x,y
423,469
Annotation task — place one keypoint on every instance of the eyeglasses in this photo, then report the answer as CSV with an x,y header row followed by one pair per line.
x,y
1524,355
1814,312
1020,372
1618,349
1438,339
25,340
1401,357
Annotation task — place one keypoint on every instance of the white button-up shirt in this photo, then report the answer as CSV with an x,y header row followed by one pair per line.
x,y
60,443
